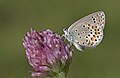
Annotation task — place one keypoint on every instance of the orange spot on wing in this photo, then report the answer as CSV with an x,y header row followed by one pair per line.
x,y
92,39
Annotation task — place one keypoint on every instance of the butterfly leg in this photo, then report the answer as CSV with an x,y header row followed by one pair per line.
x,y
70,44
63,37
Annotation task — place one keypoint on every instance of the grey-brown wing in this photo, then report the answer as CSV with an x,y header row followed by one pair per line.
x,y
88,31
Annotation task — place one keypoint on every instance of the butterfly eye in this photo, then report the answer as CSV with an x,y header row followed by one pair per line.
x,y
65,29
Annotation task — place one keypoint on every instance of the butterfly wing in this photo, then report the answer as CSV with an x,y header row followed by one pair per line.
x,y
88,31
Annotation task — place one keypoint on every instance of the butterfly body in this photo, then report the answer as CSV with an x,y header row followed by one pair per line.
x,y
87,31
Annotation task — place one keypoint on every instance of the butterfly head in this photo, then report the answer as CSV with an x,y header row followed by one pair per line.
x,y
67,35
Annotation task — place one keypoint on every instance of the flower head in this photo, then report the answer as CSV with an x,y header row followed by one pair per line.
x,y
47,53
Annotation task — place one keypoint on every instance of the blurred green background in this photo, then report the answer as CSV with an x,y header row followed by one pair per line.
x,y
18,16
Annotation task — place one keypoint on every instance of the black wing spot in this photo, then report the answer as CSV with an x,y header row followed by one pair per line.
x,y
91,38
95,32
100,35
102,14
95,39
83,25
76,30
92,27
83,43
95,29
88,24
95,26
88,34
88,27
94,21
93,18
78,34
92,43
98,32
83,32
86,40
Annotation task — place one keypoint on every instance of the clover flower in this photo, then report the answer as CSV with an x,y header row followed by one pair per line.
x,y
47,53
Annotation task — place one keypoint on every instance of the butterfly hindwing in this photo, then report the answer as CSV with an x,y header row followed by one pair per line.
x,y
88,31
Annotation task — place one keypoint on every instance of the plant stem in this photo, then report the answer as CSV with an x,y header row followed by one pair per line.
x,y
61,75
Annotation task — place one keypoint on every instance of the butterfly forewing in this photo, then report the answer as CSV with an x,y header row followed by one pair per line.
x,y
88,31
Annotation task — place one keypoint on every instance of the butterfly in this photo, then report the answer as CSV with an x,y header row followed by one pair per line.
x,y
87,31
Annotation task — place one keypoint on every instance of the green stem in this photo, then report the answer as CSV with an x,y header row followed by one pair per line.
x,y
61,75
